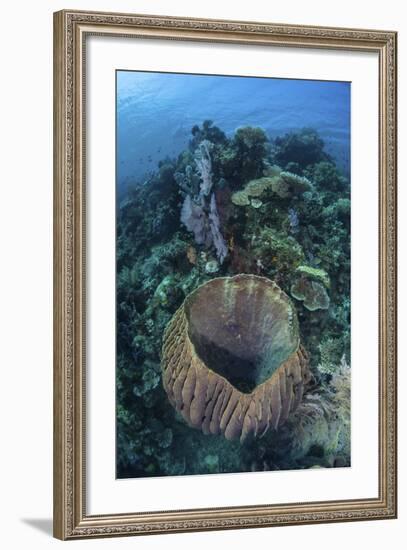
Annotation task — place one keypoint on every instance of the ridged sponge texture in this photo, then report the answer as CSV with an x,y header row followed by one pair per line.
x,y
232,361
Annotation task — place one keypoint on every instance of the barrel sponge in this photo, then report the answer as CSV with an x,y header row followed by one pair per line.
x,y
232,361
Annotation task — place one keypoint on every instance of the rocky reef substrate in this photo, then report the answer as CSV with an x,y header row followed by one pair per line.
x,y
244,204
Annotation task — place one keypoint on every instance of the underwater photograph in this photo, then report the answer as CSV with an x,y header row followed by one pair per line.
x,y
233,270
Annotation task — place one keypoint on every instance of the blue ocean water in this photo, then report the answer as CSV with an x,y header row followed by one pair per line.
x,y
156,111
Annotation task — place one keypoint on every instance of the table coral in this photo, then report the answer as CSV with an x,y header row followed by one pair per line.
x,y
313,294
288,185
319,275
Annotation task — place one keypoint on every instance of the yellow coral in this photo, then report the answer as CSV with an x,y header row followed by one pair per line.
x,y
253,189
283,184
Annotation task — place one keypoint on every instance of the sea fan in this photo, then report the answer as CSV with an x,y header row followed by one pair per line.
x,y
204,166
323,417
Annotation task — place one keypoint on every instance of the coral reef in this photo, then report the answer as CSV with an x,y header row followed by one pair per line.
x,y
198,213
312,293
315,274
283,184
185,226
298,150
254,188
232,361
204,166
330,350
287,185
194,219
320,427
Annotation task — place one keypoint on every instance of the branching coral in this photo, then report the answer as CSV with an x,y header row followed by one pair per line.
x,y
209,132
305,147
339,209
277,252
331,350
127,276
326,176
245,158
251,144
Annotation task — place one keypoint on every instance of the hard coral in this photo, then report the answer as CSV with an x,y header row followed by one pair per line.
x,y
208,132
249,143
283,184
326,176
305,146
278,252
319,275
290,185
313,294
254,188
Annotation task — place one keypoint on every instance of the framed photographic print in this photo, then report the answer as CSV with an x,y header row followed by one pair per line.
x,y
225,274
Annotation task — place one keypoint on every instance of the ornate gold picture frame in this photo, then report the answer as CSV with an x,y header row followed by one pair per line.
x,y
72,518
